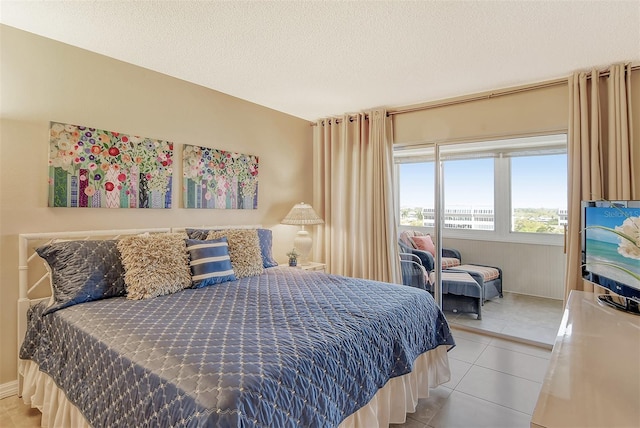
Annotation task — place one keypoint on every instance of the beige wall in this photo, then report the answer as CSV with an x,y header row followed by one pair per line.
x,y
43,80
530,269
529,112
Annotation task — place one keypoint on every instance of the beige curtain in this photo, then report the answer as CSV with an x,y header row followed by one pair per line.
x,y
353,193
600,152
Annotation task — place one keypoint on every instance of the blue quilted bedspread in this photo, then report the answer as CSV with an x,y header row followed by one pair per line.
x,y
286,348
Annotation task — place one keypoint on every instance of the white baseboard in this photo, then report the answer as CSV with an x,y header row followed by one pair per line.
x,y
8,389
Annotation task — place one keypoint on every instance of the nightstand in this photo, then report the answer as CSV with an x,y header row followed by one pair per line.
x,y
320,267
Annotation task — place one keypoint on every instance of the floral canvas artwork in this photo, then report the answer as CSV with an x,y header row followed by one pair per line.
x,y
219,179
93,168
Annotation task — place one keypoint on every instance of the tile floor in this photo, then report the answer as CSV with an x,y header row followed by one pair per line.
x,y
494,383
533,319
14,413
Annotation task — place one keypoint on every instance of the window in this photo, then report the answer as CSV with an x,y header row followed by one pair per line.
x,y
539,194
417,193
468,194
509,190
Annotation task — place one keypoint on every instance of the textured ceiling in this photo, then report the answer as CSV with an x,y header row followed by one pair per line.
x,y
313,59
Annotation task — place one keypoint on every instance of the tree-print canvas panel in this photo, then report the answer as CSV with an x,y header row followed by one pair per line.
x,y
94,168
218,179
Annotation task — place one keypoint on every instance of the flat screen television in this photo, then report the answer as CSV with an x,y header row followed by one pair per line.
x,y
611,251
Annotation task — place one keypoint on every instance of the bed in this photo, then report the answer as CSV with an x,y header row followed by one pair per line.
x,y
282,347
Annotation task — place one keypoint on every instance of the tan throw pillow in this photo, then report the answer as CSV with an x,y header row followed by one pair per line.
x,y
155,264
244,250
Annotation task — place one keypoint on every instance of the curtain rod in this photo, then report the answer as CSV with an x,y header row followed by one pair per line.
x,y
606,72
494,94
466,99
499,93
490,95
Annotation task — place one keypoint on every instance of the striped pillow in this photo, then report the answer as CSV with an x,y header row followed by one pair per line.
x,y
210,262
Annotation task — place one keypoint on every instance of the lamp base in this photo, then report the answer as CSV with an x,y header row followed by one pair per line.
x,y
302,243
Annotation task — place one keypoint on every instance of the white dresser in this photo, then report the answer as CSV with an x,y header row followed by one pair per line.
x,y
593,379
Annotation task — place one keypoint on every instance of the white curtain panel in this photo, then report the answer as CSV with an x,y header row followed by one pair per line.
x,y
353,193
600,152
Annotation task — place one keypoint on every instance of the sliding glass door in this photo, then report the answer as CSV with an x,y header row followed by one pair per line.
x,y
500,203
418,182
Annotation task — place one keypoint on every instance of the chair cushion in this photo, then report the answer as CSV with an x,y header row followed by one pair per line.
x,y
488,273
449,262
405,237
453,277
457,283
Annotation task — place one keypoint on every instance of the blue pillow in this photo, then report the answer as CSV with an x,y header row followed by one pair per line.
x,y
197,233
82,271
264,235
266,242
209,262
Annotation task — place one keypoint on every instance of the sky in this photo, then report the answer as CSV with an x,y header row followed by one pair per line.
x,y
537,182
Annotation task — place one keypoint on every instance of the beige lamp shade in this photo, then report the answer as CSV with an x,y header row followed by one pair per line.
x,y
302,215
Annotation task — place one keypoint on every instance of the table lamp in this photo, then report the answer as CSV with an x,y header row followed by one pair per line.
x,y
302,215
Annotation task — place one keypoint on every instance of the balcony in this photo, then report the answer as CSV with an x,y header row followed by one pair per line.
x,y
533,274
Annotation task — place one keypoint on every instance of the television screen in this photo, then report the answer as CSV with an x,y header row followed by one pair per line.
x,y
611,246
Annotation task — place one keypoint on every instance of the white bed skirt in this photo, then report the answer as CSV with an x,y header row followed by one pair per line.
x,y
390,404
